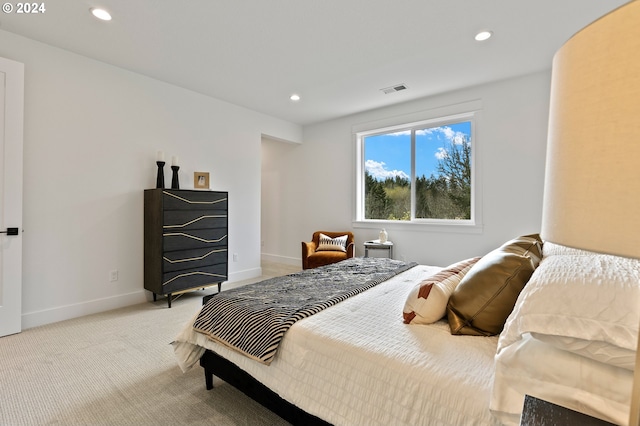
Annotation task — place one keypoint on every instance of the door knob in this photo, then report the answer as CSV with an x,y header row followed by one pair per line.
x,y
10,231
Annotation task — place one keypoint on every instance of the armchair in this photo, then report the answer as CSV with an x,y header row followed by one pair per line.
x,y
313,255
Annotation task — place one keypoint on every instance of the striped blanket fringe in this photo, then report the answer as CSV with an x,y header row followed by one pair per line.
x,y
254,318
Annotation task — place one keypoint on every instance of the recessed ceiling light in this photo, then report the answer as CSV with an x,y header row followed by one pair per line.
x,y
100,14
483,35
295,97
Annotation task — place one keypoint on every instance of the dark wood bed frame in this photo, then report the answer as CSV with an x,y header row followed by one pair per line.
x,y
215,365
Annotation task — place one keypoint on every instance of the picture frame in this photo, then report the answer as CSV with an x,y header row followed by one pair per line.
x,y
201,180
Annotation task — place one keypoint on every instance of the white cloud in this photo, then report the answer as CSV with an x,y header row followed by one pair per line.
x,y
455,137
401,133
441,153
447,132
378,170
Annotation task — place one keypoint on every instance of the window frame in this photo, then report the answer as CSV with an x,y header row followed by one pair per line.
x,y
469,111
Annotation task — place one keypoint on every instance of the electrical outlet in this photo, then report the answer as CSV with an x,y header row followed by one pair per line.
x,y
235,257
113,275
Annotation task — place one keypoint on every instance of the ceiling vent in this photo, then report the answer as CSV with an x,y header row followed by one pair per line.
x,y
394,88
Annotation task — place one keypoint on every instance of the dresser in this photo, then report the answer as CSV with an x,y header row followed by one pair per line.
x,y
185,240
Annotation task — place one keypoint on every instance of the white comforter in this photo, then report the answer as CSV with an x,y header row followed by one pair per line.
x,y
357,363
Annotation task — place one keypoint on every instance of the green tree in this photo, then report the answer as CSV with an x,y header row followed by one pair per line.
x,y
399,197
448,195
377,205
455,167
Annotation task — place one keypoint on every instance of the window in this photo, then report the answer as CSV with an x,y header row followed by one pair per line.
x,y
420,172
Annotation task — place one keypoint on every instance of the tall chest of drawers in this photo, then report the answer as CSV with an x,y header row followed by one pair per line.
x,y
185,240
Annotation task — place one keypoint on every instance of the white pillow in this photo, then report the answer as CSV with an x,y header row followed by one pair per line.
x,y
332,244
427,301
583,304
596,350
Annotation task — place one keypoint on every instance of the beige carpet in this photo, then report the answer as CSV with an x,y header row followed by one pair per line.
x,y
115,368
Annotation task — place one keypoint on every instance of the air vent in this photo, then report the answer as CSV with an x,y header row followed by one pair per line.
x,y
393,89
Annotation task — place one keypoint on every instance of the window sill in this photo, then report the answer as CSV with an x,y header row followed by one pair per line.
x,y
458,228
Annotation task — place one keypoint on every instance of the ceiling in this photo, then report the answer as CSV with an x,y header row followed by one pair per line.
x,y
336,54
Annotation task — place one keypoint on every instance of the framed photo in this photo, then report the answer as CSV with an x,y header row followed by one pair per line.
x,y
201,180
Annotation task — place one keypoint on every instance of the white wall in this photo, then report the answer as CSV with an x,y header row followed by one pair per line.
x,y
91,136
310,186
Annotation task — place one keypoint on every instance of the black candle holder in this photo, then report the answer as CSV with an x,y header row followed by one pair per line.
x,y
174,180
160,178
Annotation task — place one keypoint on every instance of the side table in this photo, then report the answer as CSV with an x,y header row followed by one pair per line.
x,y
377,245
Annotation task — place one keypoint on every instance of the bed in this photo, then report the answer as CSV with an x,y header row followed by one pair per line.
x,y
385,356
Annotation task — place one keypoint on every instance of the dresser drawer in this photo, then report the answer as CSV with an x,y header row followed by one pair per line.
x,y
194,200
198,238
193,278
189,259
175,220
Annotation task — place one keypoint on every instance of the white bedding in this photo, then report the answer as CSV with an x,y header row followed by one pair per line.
x,y
357,363
571,337
535,368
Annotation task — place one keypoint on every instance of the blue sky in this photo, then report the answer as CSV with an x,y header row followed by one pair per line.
x,y
390,155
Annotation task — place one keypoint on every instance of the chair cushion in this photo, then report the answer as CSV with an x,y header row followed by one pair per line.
x,y
321,258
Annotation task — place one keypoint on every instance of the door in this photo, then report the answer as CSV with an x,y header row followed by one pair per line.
x,y
11,131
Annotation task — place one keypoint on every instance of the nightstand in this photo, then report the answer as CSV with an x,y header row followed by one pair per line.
x,y
537,412
377,245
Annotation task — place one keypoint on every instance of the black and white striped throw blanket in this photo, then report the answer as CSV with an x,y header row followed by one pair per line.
x,y
253,319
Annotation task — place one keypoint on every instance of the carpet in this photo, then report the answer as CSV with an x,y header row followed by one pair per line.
x,y
115,368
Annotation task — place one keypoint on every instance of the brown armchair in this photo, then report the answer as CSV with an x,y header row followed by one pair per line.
x,y
312,258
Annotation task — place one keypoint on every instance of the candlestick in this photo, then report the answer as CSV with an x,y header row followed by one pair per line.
x,y
174,180
160,177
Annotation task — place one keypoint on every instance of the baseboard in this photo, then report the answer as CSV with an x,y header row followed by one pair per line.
x,y
61,313
236,278
294,261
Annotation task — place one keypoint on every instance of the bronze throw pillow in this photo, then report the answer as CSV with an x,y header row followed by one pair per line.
x,y
486,295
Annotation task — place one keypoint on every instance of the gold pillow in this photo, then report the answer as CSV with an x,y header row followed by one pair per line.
x,y
485,297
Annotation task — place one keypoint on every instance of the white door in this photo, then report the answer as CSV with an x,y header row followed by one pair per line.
x,y
11,131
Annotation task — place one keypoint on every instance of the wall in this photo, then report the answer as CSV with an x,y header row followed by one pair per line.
x,y
311,185
91,136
